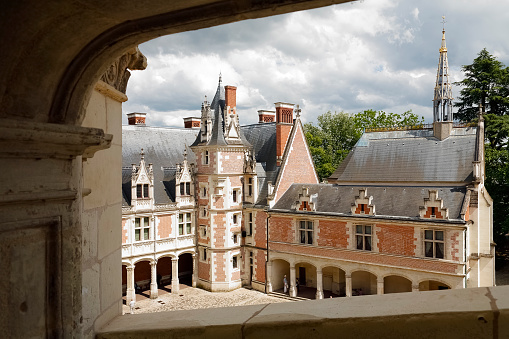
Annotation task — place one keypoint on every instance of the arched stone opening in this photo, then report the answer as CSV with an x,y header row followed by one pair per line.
x,y
433,285
396,284
185,269
334,282
142,272
306,280
363,283
164,273
280,269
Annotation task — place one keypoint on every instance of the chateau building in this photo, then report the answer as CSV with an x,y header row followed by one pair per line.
x,y
222,205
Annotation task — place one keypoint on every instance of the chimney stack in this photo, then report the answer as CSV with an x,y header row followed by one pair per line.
x,y
136,118
230,98
192,122
284,124
266,116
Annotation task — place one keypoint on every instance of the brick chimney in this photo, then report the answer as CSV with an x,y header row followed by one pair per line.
x,y
284,124
230,98
266,116
136,118
192,122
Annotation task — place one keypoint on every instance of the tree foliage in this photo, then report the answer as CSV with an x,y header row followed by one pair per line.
x,y
337,133
486,82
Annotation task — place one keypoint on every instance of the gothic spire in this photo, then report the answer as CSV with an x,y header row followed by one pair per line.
x,y
442,100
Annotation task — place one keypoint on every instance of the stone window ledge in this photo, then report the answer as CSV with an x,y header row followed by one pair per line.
x,y
462,313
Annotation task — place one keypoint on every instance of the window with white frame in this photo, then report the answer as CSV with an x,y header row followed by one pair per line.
x,y
203,191
203,231
203,211
236,218
206,157
141,229
185,223
185,188
306,232
236,195
434,244
250,186
250,223
142,191
235,263
363,237
203,254
235,238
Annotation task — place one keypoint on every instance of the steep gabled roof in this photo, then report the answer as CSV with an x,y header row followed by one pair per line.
x,y
413,156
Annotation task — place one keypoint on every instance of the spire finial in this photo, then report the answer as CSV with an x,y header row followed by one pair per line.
x,y
142,154
297,111
443,23
220,77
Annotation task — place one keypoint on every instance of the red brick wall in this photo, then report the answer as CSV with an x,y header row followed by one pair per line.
x,y
332,233
281,229
455,246
259,229
125,231
236,273
232,164
164,227
204,269
282,134
396,239
230,96
205,169
220,262
219,230
259,265
369,257
299,166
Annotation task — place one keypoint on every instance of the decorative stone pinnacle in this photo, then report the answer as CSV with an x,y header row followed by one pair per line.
x,y
142,154
185,154
297,111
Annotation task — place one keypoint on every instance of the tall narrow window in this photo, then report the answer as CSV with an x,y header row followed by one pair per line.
x,y
137,229
185,223
235,219
434,244
363,237
181,223
188,223
250,223
234,195
234,260
250,187
188,188
306,232
206,157
204,254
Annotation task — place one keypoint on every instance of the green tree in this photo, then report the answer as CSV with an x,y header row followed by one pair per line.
x,y
380,119
486,82
330,141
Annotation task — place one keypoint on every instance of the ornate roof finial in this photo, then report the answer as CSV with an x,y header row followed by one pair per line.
x,y
297,111
142,154
220,77
442,100
443,23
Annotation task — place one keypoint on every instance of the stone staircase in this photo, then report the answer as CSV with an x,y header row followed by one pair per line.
x,y
286,296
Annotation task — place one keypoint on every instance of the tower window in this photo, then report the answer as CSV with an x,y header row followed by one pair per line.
x,y
142,191
250,186
206,158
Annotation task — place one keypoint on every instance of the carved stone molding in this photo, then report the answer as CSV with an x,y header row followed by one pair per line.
x,y
43,140
118,75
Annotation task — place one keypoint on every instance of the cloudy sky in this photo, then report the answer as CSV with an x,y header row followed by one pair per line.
x,y
372,54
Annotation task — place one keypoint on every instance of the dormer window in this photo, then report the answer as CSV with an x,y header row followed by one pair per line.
x,y
433,212
250,187
142,191
185,188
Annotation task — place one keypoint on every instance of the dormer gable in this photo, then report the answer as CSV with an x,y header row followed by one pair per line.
x,y
363,204
232,132
306,202
184,181
433,207
142,185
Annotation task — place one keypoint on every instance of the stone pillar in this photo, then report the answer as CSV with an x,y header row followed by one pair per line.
x,y
195,270
130,293
379,285
269,277
319,285
348,283
293,290
175,275
415,287
153,280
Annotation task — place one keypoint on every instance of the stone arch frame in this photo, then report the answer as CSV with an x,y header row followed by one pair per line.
x,y
437,280
166,255
404,276
385,275
137,260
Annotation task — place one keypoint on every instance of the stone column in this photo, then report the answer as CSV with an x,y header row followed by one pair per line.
x,y
175,275
269,277
319,285
379,285
195,270
153,280
130,293
415,287
293,290
348,283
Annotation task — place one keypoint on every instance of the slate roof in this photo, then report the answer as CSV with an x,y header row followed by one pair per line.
x,y
393,202
163,148
410,156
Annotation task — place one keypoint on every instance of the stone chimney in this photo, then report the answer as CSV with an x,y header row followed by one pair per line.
x,y
192,122
442,129
266,116
284,124
230,98
136,118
